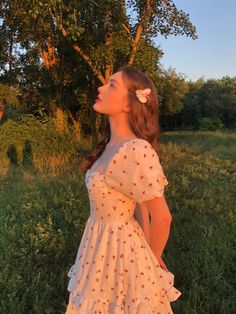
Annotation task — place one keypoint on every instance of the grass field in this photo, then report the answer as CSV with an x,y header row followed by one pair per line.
x,y
42,218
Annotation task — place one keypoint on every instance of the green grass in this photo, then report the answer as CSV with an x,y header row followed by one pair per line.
x,y
42,216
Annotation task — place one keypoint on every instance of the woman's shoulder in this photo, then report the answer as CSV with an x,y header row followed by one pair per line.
x,y
137,146
138,142
136,171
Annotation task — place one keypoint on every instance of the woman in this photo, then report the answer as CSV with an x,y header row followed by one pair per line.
x,y
117,269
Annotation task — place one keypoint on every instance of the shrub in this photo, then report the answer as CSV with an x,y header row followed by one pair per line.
x,y
210,123
28,143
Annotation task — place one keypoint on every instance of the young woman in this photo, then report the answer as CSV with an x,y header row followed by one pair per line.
x,y
119,267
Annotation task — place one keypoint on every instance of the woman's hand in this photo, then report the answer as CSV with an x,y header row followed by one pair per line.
x,y
162,264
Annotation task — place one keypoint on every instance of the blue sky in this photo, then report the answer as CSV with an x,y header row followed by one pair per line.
x,y
213,54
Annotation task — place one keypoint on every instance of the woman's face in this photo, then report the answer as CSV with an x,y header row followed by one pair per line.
x,y
112,97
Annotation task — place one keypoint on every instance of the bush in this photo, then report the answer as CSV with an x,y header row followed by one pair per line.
x,y
28,143
210,123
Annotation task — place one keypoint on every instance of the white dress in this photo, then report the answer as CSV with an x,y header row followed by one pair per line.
x,y
115,270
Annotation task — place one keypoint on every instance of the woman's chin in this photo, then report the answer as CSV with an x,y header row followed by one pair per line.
x,y
96,108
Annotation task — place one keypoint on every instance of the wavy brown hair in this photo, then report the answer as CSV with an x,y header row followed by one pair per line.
x,y
142,117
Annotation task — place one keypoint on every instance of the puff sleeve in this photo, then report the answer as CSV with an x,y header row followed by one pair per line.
x,y
136,171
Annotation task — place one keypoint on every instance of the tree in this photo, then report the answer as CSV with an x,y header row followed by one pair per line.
x,y
103,35
174,88
191,112
217,98
152,17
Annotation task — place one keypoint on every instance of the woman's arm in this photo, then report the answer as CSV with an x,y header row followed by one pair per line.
x,y
142,216
159,225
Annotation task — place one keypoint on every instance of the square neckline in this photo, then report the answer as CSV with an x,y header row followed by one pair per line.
x,y
88,172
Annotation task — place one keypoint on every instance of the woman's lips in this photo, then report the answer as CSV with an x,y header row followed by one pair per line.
x,y
98,99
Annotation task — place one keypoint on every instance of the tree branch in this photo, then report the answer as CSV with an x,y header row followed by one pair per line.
x,y
128,31
139,32
86,58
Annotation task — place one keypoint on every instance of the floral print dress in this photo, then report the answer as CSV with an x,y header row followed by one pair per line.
x,y
115,270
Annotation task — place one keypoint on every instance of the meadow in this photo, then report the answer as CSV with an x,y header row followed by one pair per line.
x,y
44,206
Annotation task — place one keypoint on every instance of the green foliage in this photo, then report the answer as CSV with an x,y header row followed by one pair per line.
x,y
201,199
201,142
38,219
42,220
9,93
103,33
32,144
206,105
210,123
173,91
217,98
9,102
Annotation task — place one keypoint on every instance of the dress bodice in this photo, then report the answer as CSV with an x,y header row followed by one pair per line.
x,y
123,175
101,164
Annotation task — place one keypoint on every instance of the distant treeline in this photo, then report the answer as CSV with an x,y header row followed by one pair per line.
x,y
204,104
199,105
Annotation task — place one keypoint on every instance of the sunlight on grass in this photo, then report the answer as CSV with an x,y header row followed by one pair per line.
x,y
44,209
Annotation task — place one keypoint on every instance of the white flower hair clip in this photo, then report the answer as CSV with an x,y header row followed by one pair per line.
x,y
143,94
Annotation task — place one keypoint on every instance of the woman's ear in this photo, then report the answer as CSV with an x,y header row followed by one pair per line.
x,y
127,108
